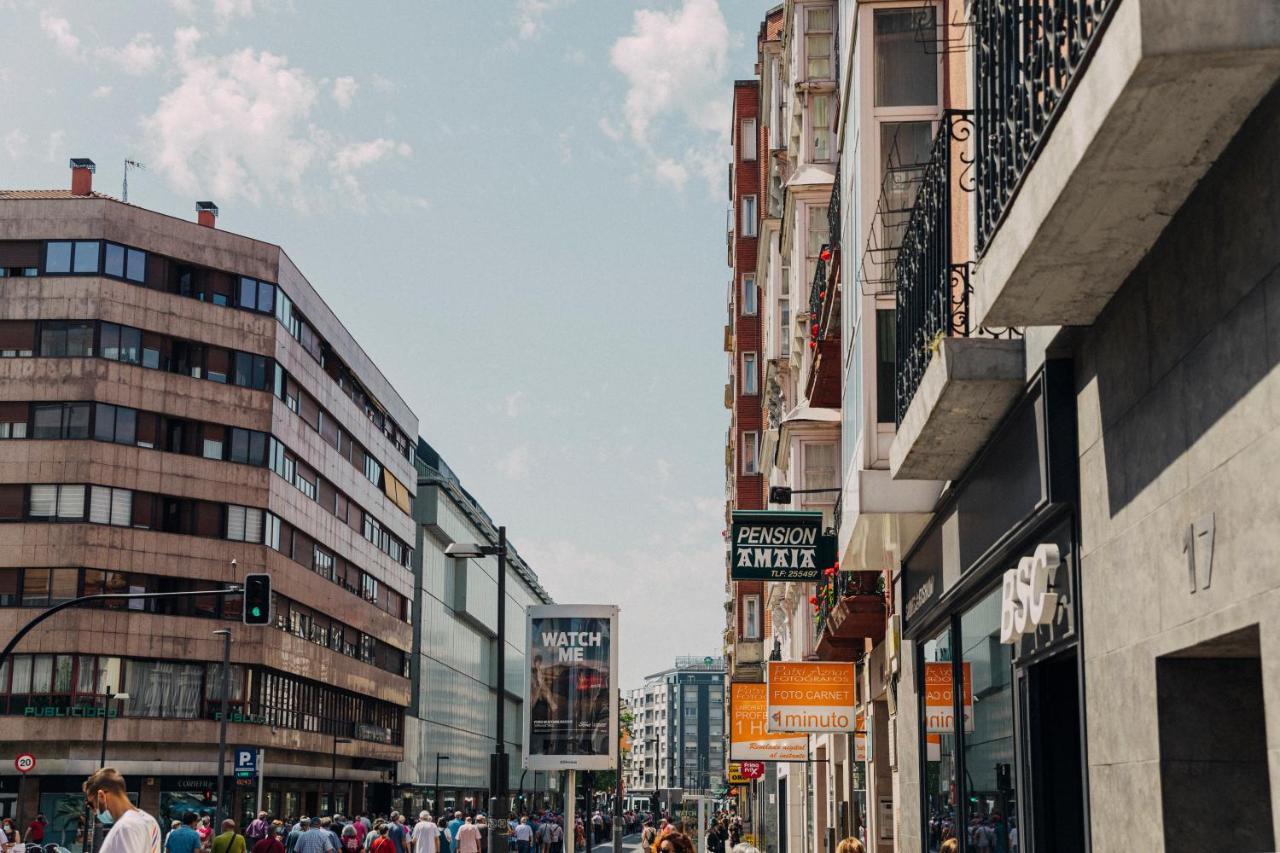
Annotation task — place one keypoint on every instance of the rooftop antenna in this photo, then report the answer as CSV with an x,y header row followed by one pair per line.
x,y
129,164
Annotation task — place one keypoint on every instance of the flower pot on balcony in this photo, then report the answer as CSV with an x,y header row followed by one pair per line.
x,y
857,617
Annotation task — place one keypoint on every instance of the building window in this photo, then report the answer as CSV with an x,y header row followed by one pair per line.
x,y
110,506
118,424
818,233
751,453
749,295
61,420
66,338
256,295
58,501
820,122
817,43
123,262
886,359
80,256
784,333
751,617
747,138
121,343
748,223
906,74
820,466
244,524
750,382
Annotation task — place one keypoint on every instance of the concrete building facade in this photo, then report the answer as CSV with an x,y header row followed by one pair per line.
x,y
181,408
678,740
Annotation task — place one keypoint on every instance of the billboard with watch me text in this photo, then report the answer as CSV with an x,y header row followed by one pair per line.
x,y
780,546
571,708
811,697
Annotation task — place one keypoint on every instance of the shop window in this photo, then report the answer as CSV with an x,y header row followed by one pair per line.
x,y
987,671
938,740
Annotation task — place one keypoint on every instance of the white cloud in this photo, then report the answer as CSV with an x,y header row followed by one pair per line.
x,y
139,56
530,14
59,29
234,125
101,92
15,142
381,84
514,464
223,10
57,142
344,91
676,64
512,404
671,173
241,126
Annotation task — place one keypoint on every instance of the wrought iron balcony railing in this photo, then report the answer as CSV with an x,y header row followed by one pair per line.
x,y
932,285
831,603
833,213
1029,56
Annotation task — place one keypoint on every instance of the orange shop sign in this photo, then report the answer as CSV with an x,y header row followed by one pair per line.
x,y
811,697
939,701
749,739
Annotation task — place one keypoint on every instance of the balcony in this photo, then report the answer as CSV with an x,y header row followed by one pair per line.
x,y
954,383
849,608
823,386
1095,120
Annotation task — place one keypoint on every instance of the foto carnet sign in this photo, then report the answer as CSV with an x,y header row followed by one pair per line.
x,y
780,546
939,707
810,697
749,739
570,712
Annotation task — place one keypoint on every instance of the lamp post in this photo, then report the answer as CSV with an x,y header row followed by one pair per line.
x,y
498,761
333,775
91,825
220,807
436,807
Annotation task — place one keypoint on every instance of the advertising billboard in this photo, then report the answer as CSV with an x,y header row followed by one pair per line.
x,y
571,708
749,739
780,546
810,697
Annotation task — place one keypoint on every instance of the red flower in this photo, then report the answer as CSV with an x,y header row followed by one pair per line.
x,y
812,345
825,254
813,599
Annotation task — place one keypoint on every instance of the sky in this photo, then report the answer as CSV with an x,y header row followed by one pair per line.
x,y
516,206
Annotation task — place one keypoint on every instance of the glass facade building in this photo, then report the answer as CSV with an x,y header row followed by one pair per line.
x,y
453,666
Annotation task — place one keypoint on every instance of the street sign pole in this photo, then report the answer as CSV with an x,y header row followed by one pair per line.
x,y
262,753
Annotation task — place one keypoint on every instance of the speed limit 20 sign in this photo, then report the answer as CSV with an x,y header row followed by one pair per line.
x,y
25,762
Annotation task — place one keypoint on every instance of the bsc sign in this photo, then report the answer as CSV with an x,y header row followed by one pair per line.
x,y
780,546
245,762
1026,602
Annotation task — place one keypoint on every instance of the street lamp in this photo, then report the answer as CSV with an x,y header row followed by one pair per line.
x,y
333,775
498,761
220,807
91,831
436,808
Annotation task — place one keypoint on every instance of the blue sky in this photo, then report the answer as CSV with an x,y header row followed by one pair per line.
x,y
517,207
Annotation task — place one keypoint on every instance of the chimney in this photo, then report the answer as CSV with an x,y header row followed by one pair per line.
x,y
82,170
206,213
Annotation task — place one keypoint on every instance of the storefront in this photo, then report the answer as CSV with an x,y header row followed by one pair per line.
x,y
990,594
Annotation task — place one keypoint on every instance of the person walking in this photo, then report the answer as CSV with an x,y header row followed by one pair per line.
x,y
314,839
451,832
381,843
229,841
397,833
270,843
35,831
132,829
256,830
184,839
425,834
467,838
524,835
850,845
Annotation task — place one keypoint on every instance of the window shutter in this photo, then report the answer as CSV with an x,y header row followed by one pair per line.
x,y
235,523
44,501
100,505
121,507
253,525
71,502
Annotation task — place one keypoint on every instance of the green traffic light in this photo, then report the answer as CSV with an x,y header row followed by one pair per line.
x,y
256,611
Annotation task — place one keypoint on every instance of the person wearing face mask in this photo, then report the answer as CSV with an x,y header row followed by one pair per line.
x,y
132,829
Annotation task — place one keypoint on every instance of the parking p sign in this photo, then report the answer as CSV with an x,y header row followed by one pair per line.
x,y
245,760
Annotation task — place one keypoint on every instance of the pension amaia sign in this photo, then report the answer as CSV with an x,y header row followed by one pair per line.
x,y
780,546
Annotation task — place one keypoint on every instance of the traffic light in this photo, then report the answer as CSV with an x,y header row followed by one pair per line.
x,y
257,599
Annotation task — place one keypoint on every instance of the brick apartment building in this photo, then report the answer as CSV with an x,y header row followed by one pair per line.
x,y
180,408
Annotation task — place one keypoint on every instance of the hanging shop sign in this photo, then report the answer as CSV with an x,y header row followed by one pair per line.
x,y
780,546
810,697
570,716
939,698
749,738
734,774
860,738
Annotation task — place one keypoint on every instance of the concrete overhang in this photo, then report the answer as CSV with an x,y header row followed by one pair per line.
x,y
967,389
881,518
1169,85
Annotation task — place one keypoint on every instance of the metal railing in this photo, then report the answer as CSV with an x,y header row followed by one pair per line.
x,y
833,213
1029,55
835,587
932,286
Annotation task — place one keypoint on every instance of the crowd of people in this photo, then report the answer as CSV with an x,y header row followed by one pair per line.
x,y
989,833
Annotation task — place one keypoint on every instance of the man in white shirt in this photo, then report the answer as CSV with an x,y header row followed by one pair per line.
x,y
132,829
524,835
425,833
